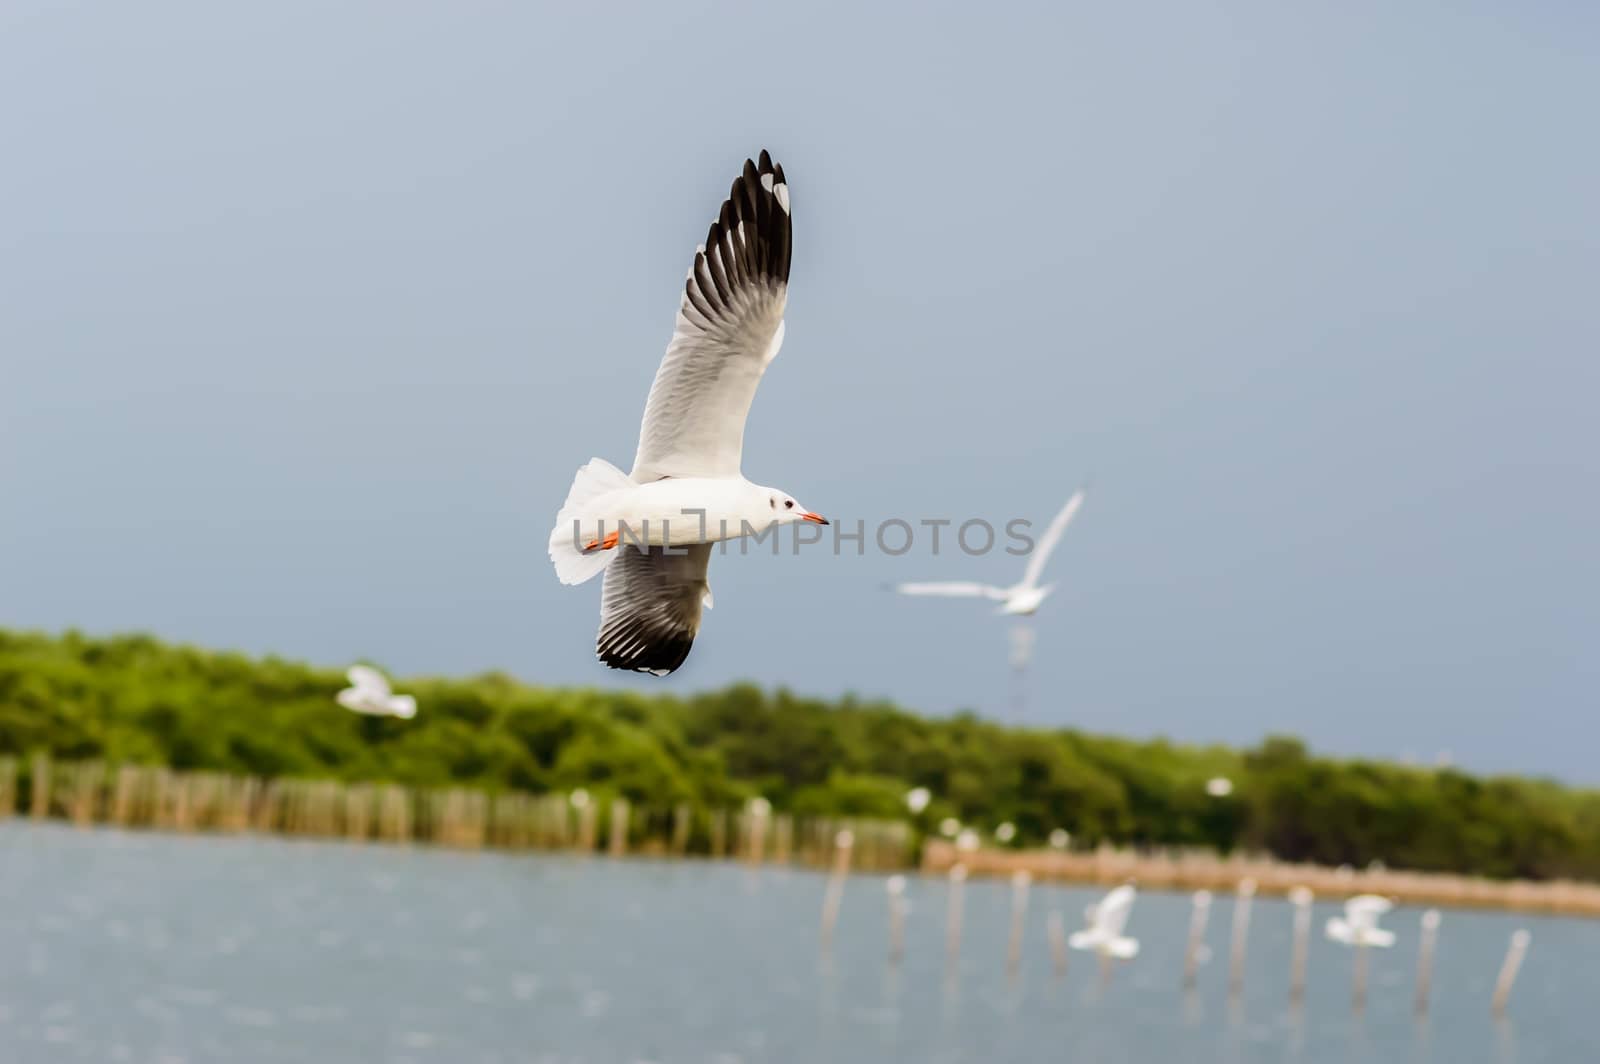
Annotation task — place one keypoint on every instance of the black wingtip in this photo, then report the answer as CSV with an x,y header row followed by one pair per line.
x,y
659,657
759,200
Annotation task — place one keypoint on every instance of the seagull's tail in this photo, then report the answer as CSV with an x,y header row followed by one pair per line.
x,y
573,564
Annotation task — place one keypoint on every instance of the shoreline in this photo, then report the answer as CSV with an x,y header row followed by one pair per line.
x,y
152,797
1190,871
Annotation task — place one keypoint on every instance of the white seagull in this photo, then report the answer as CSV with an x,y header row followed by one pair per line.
x,y
1021,599
1359,924
369,693
650,531
1106,920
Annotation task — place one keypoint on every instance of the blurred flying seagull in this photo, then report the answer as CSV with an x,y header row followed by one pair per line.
x,y
651,531
1022,599
1106,919
369,693
1359,924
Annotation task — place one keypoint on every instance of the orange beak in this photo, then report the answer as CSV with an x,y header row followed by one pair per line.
x,y
816,519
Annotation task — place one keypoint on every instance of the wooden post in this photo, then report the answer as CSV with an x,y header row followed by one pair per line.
x,y
1199,916
618,845
39,789
953,914
834,896
1508,970
1055,930
8,786
180,803
757,812
122,800
1020,881
1301,898
1241,933
586,821
163,785
895,887
1358,997
682,819
86,782
719,833
782,839
1425,946
357,812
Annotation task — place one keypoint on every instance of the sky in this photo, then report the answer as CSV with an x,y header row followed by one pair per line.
x,y
308,314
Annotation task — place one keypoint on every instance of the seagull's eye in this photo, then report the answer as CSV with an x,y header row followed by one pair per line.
x,y
788,504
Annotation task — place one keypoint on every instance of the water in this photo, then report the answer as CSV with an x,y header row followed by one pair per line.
x,y
188,950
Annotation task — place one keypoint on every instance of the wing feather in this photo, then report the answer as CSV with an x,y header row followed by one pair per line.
x,y
650,607
729,327
1052,536
952,589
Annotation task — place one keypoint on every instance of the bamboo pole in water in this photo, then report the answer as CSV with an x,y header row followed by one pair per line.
x,y
1199,916
1426,942
125,796
757,813
782,839
8,786
953,914
1508,970
1300,898
39,789
1020,882
618,844
843,843
681,822
719,833
87,778
1241,934
1359,975
895,888
586,820
1056,932
180,804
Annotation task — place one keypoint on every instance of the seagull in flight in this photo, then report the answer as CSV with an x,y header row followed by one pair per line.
x,y
650,531
1106,920
369,693
1359,925
1022,599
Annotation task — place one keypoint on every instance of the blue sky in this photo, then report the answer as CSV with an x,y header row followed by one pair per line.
x,y
310,314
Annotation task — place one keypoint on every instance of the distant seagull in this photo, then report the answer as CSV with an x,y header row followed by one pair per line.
x,y
1022,599
1219,786
1106,920
651,531
369,693
1359,924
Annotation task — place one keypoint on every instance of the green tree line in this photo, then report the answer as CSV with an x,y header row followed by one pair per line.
x,y
136,699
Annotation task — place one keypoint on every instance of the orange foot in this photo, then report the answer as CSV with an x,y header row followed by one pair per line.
x,y
598,544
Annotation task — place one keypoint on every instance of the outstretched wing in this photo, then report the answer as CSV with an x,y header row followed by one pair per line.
x,y
650,607
367,679
1052,536
952,589
1111,914
730,325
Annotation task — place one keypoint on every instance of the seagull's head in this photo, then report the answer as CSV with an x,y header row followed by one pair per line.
x,y
785,509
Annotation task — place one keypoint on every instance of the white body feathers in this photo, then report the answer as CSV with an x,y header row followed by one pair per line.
x,y
369,694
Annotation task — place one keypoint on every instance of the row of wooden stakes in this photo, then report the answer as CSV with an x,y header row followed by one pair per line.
x,y
1204,870
144,796
1195,949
